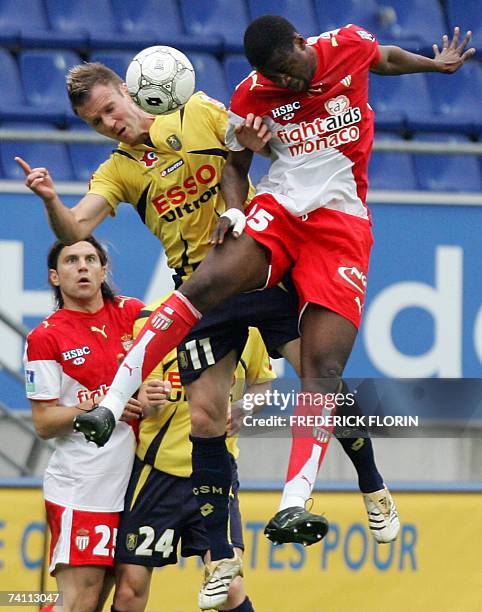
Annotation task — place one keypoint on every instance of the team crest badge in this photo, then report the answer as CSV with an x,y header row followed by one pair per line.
x,y
182,359
127,342
161,322
82,539
174,142
131,541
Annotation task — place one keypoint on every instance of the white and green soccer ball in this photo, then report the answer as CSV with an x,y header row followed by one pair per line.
x,y
160,79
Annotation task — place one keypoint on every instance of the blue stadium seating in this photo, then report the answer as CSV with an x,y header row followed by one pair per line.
x,y
13,105
210,76
43,77
301,13
391,170
446,172
365,13
217,18
53,156
394,101
151,22
421,20
16,19
85,158
236,68
468,16
118,61
454,100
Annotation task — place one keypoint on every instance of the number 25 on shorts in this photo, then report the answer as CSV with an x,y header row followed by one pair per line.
x,y
259,218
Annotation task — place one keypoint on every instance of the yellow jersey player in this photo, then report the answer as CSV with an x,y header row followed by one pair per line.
x,y
161,510
169,168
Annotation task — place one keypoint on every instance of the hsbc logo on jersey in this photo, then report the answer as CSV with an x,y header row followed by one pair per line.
x,y
287,111
76,355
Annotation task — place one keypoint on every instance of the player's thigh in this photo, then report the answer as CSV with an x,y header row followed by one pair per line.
x,y
326,342
291,351
237,265
81,586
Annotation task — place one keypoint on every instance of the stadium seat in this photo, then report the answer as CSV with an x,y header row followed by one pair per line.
x,y
365,13
15,21
446,172
399,100
118,61
80,20
152,22
210,76
391,170
85,158
301,13
454,100
421,20
218,18
468,16
43,77
236,68
52,155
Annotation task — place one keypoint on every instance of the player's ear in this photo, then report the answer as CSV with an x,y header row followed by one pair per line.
x,y
124,90
53,277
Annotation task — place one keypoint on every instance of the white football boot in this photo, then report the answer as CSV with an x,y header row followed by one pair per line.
x,y
382,515
218,576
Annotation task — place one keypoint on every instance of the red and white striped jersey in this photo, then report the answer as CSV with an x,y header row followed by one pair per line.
x,y
72,356
322,138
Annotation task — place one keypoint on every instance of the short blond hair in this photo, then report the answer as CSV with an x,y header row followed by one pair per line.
x,y
82,78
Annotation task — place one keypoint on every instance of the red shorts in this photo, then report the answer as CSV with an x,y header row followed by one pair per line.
x,y
80,537
327,252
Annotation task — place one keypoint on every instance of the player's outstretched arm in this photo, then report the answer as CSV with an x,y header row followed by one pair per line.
x,y
447,60
69,224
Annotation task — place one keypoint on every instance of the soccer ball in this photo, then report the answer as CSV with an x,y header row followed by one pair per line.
x,y
160,79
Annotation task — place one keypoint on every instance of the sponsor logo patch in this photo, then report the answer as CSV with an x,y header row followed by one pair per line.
x,y
75,353
149,158
30,381
172,167
338,105
286,111
353,277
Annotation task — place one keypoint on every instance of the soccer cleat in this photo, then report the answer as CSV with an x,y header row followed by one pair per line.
x,y
218,576
97,424
296,524
382,515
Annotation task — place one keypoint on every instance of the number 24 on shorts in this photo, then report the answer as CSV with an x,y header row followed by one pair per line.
x,y
259,218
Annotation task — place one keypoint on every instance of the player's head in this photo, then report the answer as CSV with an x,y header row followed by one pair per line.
x,y
274,48
99,96
78,273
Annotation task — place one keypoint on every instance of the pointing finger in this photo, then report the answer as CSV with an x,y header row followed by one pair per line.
x,y
23,164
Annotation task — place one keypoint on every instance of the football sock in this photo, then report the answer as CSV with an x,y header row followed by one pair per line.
x,y
307,455
164,330
211,481
246,606
357,445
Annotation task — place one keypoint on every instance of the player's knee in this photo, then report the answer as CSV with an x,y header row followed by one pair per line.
x,y
205,423
125,595
323,366
236,594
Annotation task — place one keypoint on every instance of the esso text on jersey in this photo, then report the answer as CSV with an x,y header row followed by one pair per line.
x,y
179,193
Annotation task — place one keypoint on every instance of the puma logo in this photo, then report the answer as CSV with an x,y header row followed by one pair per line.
x,y
101,331
131,370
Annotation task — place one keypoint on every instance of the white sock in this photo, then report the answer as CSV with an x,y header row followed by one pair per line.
x,y
298,490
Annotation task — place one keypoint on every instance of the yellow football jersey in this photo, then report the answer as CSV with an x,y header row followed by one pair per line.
x,y
164,437
175,186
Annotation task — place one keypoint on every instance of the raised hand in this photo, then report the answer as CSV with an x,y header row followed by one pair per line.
x,y
453,55
38,180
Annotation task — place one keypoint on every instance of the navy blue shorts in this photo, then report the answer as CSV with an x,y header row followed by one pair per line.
x,y
164,513
225,328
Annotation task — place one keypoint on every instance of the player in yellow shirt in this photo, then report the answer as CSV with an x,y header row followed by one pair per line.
x,y
160,508
169,168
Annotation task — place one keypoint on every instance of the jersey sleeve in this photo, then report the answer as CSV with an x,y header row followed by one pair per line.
x,y
216,113
107,183
43,371
142,317
366,44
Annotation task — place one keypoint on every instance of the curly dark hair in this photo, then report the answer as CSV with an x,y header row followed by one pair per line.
x,y
267,37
